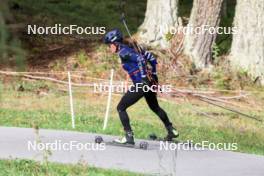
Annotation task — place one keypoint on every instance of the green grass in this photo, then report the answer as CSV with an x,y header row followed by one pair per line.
x,y
28,167
51,111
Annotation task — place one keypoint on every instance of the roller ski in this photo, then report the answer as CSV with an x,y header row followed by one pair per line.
x,y
171,136
126,141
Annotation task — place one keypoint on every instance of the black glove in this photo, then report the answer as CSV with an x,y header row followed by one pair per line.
x,y
145,81
155,78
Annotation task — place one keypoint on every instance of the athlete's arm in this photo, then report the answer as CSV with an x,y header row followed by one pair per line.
x,y
142,66
152,60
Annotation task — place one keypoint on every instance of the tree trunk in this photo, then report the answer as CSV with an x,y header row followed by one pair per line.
x,y
205,14
247,50
160,16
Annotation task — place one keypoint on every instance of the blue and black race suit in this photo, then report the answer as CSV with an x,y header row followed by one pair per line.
x,y
136,66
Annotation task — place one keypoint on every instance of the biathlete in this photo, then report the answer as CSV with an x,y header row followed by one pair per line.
x,y
136,63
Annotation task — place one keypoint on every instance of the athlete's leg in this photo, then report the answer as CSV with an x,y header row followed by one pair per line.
x,y
130,98
151,98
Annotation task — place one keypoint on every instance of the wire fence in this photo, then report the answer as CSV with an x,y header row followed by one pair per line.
x,y
73,89
71,86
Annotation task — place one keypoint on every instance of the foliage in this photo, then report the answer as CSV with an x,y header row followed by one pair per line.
x,y
82,57
28,167
224,41
215,53
185,7
228,79
89,13
10,47
169,36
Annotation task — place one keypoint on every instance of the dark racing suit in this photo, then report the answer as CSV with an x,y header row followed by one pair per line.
x,y
135,65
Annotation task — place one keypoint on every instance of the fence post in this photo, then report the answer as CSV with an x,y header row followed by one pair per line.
x,y
109,99
71,100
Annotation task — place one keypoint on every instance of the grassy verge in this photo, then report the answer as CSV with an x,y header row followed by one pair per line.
x,y
28,167
29,108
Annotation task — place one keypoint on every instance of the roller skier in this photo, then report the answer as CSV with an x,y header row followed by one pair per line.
x,y
136,63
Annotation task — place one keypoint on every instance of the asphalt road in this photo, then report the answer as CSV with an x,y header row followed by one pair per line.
x,y
19,143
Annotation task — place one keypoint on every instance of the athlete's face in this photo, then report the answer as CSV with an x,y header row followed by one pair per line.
x,y
113,48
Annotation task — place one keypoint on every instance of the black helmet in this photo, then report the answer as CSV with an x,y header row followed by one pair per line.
x,y
113,36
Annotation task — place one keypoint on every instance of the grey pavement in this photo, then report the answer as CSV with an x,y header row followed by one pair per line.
x,y
15,142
